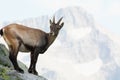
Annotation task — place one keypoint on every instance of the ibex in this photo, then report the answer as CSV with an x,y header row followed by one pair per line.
x,y
25,39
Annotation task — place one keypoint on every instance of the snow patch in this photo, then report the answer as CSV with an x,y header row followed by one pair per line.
x,y
89,68
78,33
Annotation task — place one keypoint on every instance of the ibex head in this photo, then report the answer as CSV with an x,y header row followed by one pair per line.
x,y
55,27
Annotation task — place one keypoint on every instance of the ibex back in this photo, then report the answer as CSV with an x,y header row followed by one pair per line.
x,y
25,39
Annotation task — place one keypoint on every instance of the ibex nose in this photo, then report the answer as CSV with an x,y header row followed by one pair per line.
x,y
53,33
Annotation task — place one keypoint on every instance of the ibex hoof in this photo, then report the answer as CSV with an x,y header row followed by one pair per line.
x,y
33,72
20,70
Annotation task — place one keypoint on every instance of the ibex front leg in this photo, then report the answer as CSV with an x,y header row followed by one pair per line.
x,y
34,57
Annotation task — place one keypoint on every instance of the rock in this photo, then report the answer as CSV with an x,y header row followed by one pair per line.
x,y
4,59
7,71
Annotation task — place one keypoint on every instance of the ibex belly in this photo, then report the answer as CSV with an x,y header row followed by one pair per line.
x,y
23,48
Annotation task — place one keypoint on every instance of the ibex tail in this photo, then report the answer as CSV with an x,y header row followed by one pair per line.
x,y
1,32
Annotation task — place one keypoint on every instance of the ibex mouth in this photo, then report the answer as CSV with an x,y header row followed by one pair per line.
x,y
52,33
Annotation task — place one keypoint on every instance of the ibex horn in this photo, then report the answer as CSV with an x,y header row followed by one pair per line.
x,y
59,20
54,19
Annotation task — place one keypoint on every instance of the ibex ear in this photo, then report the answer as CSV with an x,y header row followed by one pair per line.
x,y
50,21
62,24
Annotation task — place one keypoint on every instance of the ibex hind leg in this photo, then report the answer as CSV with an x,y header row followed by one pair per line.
x,y
15,64
13,50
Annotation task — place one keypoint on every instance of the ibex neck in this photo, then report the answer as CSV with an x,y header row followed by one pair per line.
x,y
51,38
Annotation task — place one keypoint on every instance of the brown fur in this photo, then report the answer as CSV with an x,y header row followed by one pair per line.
x,y
25,39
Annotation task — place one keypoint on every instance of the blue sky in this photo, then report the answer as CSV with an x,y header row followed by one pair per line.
x,y
105,12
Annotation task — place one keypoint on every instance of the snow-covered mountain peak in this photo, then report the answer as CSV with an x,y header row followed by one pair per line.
x,y
82,42
76,16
